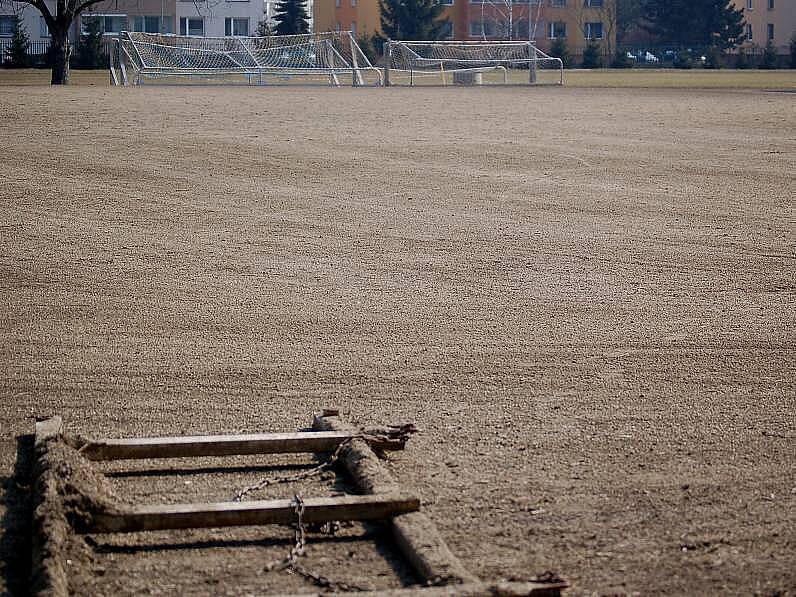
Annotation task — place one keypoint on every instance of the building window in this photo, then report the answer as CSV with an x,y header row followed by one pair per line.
x,y
558,3
354,28
557,29
750,5
338,27
447,30
192,26
593,31
353,3
770,4
150,24
748,32
114,24
771,32
236,26
44,30
594,3
482,29
109,24
447,2
7,25
337,3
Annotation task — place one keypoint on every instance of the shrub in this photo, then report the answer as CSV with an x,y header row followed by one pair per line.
x,y
592,57
683,59
89,52
742,61
622,60
769,60
714,58
17,52
559,49
793,51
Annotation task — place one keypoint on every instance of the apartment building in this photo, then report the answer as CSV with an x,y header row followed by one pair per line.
x,y
577,21
31,19
212,18
769,20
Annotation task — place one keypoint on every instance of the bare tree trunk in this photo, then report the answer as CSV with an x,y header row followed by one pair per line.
x,y
61,51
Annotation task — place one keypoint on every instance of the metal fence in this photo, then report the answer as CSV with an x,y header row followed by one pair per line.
x,y
669,56
38,51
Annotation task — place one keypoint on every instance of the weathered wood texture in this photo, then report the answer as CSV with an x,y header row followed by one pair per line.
x,y
224,514
415,534
50,527
222,445
479,589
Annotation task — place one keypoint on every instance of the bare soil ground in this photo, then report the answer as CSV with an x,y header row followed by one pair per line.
x,y
583,297
599,78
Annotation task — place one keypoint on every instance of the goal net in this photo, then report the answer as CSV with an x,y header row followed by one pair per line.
x,y
469,63
332,58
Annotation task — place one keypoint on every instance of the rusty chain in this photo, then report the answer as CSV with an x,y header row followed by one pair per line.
x,y
290,562
308,474
399,433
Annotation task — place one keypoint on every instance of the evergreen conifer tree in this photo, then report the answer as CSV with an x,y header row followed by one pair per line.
x,y
291,17
702,23
90,49
264,29
591,55
18,50
408,20
559,49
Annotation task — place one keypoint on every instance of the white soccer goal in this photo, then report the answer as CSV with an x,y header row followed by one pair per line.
x,y
469,63
332,58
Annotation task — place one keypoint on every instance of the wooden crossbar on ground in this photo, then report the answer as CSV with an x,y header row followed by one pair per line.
x,y
230,514
384,498
222,445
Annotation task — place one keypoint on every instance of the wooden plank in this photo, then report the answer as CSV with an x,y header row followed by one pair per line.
x,y
224,514
50,527
479,589
223,445
415,533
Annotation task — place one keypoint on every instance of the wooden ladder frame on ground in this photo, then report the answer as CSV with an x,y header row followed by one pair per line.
x,y
382,498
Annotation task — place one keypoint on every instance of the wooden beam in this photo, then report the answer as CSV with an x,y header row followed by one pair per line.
x,y
415,533
50,527
225,514
479,589
224,445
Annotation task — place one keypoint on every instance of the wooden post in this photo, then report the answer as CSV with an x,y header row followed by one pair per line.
x,y
415,534
50,527
225,514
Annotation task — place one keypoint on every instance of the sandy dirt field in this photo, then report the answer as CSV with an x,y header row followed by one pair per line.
x,y
585,298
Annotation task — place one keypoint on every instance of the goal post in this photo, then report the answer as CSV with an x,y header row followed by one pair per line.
x,y
321,58
469,63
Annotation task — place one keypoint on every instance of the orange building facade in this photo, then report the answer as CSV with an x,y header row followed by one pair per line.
x,y
769,20
577,21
